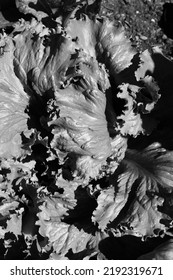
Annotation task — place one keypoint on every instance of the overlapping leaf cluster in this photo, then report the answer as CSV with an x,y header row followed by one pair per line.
x,y
84,149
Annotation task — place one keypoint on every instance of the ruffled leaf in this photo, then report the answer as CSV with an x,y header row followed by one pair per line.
x,y
112,200
116,48
63,237
131,121
135,200
147,178
146,65
13,103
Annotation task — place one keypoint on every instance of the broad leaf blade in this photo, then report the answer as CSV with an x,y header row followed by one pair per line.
x,y
13,102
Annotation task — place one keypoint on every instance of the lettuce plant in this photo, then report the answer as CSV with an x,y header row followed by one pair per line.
x,y
86,134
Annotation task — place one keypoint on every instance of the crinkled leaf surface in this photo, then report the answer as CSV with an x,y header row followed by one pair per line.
x,y
66,62
115,46
106,209
62,236
13,102
111,201
136,199
65,237
72,92
131,120
147,178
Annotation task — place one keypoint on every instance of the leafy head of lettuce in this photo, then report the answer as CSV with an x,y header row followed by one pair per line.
x,y
74,99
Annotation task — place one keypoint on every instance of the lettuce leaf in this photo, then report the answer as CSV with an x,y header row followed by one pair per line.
x,y
63,237
13,103
73,96
113,44
132,121
146,181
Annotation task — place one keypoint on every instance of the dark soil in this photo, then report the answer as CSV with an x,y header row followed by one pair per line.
x,y
147,22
